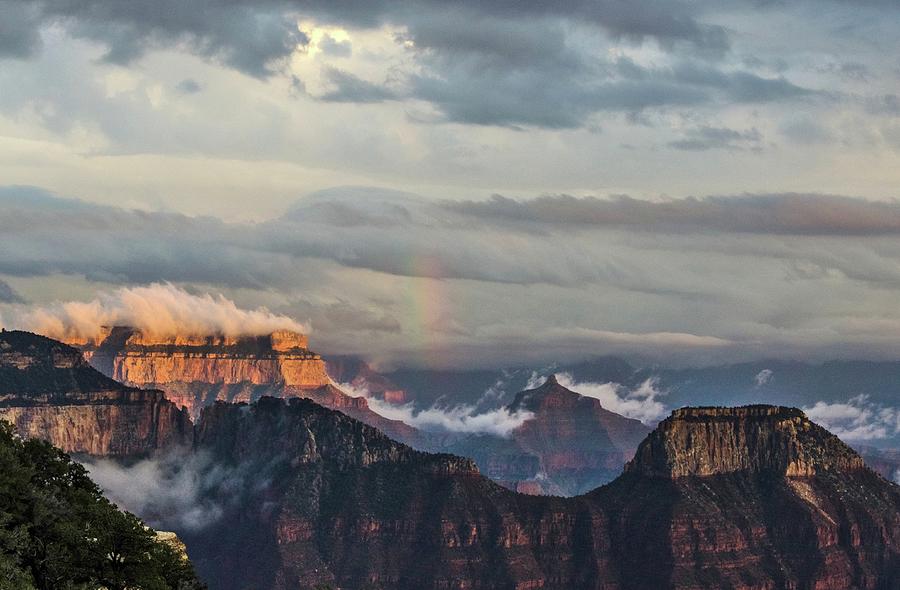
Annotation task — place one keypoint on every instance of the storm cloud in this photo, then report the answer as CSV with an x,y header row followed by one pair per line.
x,y
483,63
457,283
789,213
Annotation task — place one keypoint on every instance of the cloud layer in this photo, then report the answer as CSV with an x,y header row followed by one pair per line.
x,y
650,98
788,213
160,310
641,403
503,282
462,418
857,419
170,491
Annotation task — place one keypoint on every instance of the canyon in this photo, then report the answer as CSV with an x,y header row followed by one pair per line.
x,y
753,497
568,446
746,498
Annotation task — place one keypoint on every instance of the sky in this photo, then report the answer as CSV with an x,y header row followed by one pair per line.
x,y
463,183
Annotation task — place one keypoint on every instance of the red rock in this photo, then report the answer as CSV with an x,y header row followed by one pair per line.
x,y
731,516
48,390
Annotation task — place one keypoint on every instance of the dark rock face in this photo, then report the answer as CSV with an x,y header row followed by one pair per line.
x,y
344,505
47,390
571,445
760,497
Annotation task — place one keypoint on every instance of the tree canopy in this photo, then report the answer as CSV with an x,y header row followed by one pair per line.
x,y
58,532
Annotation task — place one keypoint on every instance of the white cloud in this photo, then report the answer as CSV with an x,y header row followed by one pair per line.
x,y
462,418
641,403
763,377
857,419
159,310
167,492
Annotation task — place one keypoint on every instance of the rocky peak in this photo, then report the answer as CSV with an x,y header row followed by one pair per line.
x,y
307,432
38,368
343,506
569,443
549,394
715,440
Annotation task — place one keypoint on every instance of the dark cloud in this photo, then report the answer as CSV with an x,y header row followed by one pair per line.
x,y
501,240
42,235
486,63
8,294
667,21
188,86
718,138
791,213
19,24
563,88
248,37
345,87
738,86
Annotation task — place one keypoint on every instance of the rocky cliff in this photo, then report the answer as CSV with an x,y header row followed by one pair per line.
x,y
47,390
746,498
710,441
339,503
195,371
569,446
753,497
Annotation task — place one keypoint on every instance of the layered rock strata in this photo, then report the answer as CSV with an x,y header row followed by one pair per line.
x,y
195,371
344,505
569,445
47,390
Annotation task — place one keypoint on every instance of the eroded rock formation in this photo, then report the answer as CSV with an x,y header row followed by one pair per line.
x,y
48,390
569,446
195,372
746,498
346,506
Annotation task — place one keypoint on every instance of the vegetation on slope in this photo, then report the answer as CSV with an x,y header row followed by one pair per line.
x,y
57,531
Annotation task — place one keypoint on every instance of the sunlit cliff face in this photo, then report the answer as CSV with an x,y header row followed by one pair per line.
x,y
196,370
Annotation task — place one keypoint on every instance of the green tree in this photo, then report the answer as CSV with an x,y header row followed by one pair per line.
x,y
57,531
